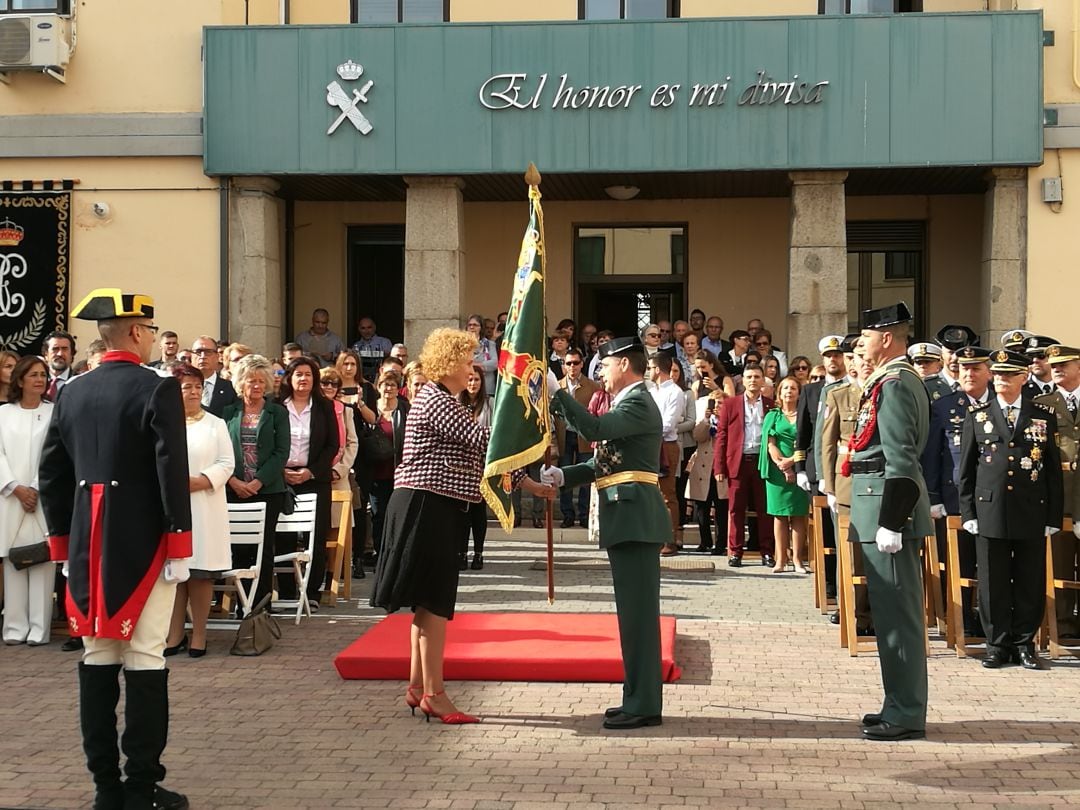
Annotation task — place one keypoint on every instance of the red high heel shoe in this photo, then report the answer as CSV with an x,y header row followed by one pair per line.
x,y
452,719
411,700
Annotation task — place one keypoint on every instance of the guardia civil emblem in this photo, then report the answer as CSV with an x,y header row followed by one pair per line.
x,y
349,104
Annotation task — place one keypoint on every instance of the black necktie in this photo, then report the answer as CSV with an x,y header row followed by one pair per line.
x,y
1010,416
1070,402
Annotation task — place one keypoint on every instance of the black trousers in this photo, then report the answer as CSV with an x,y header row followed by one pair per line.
x,y
478,526
704,519
288,542
1012,590
246,555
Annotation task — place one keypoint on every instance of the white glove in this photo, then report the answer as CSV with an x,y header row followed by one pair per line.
x,y
1050,531
937,510
64,568
1076,529
803,481
177,570
971,526
834,504
888,541
551,477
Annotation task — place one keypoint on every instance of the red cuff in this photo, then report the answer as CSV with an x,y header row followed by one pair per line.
x,y
58,548
177,545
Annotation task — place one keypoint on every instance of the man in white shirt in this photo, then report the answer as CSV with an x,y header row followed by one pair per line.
x,y
672,404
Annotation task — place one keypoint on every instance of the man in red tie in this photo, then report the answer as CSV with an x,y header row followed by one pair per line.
x,y
59,348
735,460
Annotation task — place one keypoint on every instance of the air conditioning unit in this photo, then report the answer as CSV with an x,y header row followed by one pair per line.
x,y
39,42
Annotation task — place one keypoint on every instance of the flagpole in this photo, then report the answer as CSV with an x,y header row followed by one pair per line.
x,y
532,177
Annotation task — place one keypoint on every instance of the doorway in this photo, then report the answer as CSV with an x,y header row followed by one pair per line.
x,y
376,259
626,309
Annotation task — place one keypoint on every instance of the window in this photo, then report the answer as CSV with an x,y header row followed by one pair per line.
x,y
886,264
868,6
395,11
630,251
35,6
627,9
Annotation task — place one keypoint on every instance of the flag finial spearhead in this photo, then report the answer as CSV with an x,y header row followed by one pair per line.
x,y
532,175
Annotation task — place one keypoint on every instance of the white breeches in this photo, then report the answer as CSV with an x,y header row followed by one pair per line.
x,y
28,602
146,648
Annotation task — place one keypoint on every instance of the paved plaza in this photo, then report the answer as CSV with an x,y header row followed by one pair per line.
x,y
765,715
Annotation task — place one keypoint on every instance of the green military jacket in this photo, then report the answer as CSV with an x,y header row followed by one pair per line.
x,y
629,437
1069,442
895,496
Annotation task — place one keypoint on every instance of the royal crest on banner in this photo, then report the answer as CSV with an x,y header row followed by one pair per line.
x,y
34,267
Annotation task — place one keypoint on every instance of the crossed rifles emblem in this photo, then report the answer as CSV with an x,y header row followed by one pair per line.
x,y
337,97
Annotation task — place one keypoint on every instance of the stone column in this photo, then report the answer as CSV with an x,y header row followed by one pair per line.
x,y
434,256
256,281
1003,281
817,262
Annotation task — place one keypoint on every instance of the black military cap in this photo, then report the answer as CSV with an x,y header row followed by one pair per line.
x,y
1004,361
850,342
955,336
620,346
1061,354
1036,345
970,355
885,317
107,303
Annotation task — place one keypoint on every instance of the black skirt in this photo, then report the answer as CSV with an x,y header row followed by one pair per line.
x,y
418,565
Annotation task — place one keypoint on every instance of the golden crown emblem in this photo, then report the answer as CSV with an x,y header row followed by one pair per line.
x,y
1053,351
10,233
1016,337
833,343
1001,356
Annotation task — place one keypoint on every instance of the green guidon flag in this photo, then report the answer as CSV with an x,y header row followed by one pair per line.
x,y
520,427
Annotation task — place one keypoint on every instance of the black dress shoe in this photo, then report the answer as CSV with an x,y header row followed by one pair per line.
x,y
614,711
703,549
179,648
169,800
719,551
72,644
625,722
872,719
734,561
767,559
568,522
996,659
834,617
887,732
462,562
1028,659
358,570
477,562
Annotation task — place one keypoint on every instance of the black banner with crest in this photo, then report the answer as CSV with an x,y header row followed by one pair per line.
x,y
34,267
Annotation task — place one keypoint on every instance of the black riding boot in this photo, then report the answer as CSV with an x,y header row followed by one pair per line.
x,y
99,692
146,714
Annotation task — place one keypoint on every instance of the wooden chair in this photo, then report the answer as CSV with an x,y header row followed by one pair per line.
x,y
818,552
965,644
247,522
1052,584
936,613
298,563
846,580
339,550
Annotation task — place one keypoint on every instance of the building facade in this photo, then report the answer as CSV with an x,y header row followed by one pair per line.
x,y
246,162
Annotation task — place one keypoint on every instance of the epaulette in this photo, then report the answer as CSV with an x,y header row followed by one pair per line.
x,y
1045,406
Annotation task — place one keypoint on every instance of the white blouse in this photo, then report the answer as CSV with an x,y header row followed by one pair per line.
x,y
210,453
22,435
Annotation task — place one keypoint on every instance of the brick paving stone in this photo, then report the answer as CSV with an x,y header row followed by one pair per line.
x,y
766,715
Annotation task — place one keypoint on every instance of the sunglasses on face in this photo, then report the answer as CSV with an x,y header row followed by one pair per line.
x,y
329,384
817,377
652,334
571,362
800,368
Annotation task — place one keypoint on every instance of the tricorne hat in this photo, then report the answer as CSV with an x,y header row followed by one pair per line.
x,y
107,303
885,317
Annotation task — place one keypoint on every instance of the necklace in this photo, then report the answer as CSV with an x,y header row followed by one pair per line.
x,y
191,420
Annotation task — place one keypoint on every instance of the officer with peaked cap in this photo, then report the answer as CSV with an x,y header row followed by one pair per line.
x,y
1041,379
114,488
927,359
1014,340
1011,500
952,338
890,516
633,519
1064,401
941,464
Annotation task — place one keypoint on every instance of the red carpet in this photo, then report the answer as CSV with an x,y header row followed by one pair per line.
x,y
572,647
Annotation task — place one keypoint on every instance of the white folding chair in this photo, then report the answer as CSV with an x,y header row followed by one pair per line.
x,y
247,524
298,563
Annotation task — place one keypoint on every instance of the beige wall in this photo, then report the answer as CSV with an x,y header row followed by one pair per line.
x,y
511,10
155,240
1052,256
1059,62
309,12
746,8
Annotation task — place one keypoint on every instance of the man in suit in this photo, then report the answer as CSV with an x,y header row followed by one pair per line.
x,y
218,393
1064,363
941,463
890,516
114,488
633,520
574,448
927,359
59,349
735,460
1011,500
1041,379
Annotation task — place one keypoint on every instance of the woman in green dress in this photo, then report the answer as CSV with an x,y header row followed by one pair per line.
x,y
786,501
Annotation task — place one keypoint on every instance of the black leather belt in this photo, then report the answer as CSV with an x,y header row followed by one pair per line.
x,y
873,465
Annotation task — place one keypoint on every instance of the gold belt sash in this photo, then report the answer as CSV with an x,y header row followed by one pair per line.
x,y
628,477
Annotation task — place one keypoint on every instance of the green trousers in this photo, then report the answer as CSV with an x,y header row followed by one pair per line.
x,y
896,603
635,570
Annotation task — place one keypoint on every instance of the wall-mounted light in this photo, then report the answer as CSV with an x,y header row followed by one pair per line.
x,y
622,193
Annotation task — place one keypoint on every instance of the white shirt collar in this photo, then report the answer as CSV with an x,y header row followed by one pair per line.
x,y
622,394
1003,404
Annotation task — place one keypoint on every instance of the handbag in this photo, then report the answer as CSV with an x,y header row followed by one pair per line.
x,y
288,501
377,446
22,557
257,632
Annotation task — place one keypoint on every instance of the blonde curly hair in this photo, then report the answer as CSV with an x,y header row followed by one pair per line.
x,y
253,365
444,351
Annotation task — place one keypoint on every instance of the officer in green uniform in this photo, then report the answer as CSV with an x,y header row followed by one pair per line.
x,y
634,521
890,516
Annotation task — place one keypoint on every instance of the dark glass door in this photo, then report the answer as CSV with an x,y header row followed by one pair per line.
x,y
377,279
